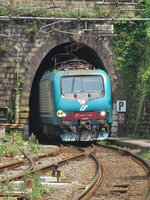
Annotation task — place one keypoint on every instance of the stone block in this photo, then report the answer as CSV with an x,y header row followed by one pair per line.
x,y
24,109
23,121
115,124
24,115
114,129
2,75
25,101
26,94
115,117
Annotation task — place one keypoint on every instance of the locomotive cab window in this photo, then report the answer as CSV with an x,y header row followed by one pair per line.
x,y
82,85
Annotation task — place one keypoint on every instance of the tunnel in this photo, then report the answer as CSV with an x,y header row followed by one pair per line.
x,y
81,51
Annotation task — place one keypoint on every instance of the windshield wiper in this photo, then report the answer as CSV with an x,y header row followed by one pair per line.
x,y
75,95
62,92
89,95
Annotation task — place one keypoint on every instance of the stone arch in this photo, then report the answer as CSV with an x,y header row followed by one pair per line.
x,y
41,60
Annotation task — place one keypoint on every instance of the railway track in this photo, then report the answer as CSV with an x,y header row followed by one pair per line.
x,y
33,166
93,160
122,187
17,163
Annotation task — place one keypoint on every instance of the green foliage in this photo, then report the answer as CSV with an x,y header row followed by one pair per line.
x,y
37,188
102,11
128,45
37,191
12,148
146,76
11,115
87,14
146,12
19,85
34,145
104,142
7,188
4,11
18,134
133,63
145,154
32,32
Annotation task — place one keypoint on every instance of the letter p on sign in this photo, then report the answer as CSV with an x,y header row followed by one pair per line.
x,y
121,106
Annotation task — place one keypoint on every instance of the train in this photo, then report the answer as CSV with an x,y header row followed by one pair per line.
x,y
75,102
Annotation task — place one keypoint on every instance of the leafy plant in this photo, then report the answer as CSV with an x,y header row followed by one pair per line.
x,y
19,85
34,145
38,189
11,114
145,154
32,32
102,11
4,11
132,65
37,193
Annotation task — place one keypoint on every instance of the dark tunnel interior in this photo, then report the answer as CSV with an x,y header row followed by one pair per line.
x,y
82,51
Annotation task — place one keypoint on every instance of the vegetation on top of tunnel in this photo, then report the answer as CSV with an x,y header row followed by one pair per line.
x,y
42,11
56,9
133,66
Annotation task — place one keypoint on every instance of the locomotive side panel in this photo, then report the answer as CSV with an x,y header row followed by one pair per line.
x,y
46,105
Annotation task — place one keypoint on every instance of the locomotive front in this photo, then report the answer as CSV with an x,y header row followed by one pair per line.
x,y
83,104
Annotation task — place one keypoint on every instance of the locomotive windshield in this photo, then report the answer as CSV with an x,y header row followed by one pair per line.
x,y
82,85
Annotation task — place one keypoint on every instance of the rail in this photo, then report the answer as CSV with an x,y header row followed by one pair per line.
x,y
94,183
145,165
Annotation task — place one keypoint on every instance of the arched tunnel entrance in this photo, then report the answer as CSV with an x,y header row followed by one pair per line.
x,y
82,51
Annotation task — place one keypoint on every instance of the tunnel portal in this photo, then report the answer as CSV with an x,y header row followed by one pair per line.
x,y
81,51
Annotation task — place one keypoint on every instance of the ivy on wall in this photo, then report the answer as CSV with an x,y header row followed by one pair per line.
x,y
129,49
132,47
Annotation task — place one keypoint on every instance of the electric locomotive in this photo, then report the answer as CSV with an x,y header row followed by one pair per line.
x,y
75,102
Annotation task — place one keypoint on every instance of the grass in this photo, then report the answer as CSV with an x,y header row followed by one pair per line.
x,y
16,142
37,190
104,142
11,148
145,154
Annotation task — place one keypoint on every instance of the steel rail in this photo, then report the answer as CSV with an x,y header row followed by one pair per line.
x,y
96,181
146,167
144,164
11,165
17,163
43,168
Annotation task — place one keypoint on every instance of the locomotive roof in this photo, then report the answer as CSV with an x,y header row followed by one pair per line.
x,y
51,74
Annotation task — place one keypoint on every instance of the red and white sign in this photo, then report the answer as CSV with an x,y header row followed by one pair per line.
x,y
121,118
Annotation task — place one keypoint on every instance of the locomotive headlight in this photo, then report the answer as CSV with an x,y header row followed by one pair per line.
x,y
64,115
60,113
103,113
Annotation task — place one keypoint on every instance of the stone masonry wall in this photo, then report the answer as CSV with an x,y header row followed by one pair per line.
x,y
23,55
144,124
24,49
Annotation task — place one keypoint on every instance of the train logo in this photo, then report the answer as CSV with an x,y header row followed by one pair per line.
x,y
83,107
